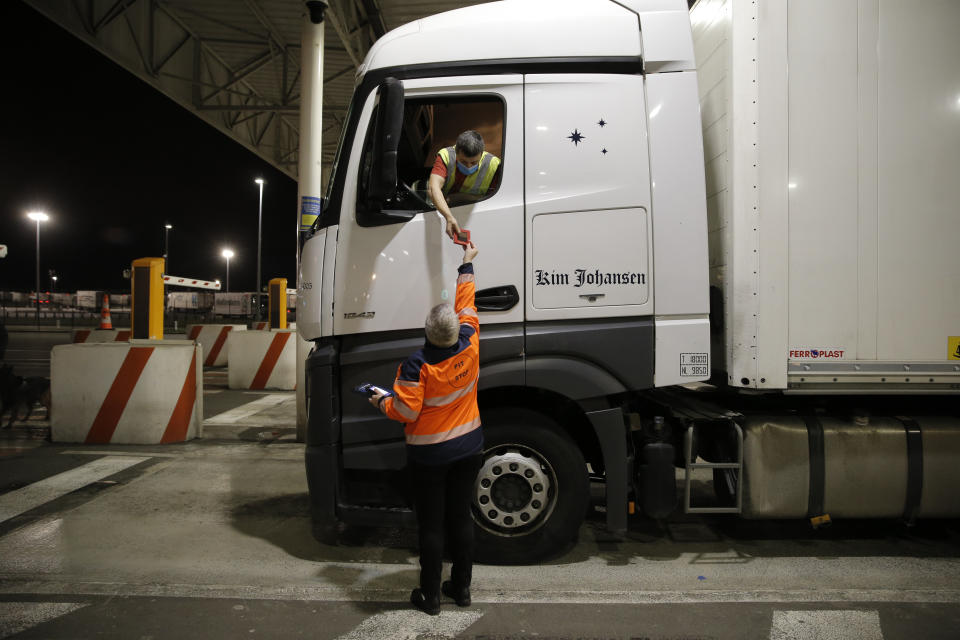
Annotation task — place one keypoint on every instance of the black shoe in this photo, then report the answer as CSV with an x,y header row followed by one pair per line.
x,y
430,606
460,596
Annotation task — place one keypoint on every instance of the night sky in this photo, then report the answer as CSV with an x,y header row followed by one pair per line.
x,y
111,160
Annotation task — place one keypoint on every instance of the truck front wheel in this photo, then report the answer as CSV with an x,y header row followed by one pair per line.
x,y
532,491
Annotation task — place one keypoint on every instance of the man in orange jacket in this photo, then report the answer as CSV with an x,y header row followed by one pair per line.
x,y
435,396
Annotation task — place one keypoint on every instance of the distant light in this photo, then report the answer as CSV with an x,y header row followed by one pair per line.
x,y
169,226
216,282
260,181
54,278
227,253
39,216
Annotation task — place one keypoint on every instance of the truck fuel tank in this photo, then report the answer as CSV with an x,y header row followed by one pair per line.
x,y
876,467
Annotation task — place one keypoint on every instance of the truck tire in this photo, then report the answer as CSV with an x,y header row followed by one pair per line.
x,y
532,492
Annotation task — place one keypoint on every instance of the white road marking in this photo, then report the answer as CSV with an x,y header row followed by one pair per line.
x,y
95,452
15,583
20,616
825,625
410,625
33,495
248,409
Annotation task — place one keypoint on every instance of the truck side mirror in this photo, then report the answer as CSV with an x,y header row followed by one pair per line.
x,y
382,180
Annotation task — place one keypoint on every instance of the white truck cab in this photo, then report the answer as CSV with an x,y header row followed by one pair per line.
x,y
594,266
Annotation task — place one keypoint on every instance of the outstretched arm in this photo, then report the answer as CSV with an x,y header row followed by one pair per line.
x,y
465,304
435,186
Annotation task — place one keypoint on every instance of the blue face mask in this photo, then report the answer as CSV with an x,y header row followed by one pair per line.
x,y
467,171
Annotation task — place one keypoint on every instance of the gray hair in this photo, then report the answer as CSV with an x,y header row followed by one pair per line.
x,y
442,326
470,143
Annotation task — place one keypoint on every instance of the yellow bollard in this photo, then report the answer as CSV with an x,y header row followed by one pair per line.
x,y
277,303
146,300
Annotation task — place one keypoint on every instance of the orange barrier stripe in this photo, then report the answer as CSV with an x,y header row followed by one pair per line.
x,y
116,401
217,346
81,336
269,361
122,336
194,332
179,424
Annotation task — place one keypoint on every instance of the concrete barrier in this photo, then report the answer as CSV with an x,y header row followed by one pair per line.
x,y
87,336
262,359
139,392
265,326
213,339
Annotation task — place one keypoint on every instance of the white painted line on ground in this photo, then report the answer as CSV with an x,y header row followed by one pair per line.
x,y
33,495
94,452
248,409
410,625
15,583
20,616
825,625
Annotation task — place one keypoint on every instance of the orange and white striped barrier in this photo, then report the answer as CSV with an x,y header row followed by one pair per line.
x,y
213,339
176,281
140,392
262,359
265,326
88,336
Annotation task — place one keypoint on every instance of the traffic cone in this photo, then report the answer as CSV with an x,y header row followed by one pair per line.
x,y
105,321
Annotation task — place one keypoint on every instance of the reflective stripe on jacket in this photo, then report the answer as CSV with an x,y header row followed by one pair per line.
x,y
435,392
476,184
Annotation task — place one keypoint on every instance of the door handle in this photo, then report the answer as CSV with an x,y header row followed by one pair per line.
x,y
497,298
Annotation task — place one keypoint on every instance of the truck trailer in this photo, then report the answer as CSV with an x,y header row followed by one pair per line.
x,y
721,247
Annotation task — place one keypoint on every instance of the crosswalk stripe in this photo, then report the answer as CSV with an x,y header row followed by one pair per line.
x,y
33,495
101,452
248,409
825,625
410,624
20,616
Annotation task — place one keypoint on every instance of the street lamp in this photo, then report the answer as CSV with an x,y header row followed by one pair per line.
x,y
54,278
166,246
39,217
227,253
259,181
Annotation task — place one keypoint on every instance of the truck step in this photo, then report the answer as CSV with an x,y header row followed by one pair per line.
x,y
689,465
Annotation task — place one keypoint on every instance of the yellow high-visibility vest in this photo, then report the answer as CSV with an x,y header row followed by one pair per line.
x,y
476,184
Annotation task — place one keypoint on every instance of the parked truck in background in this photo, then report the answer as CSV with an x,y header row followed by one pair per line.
x,y
694,258
190,300
234,304
89,299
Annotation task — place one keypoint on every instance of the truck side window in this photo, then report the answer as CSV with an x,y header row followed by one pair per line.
x,y
430,125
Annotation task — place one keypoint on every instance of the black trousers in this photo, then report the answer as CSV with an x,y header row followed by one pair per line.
x,y
442,496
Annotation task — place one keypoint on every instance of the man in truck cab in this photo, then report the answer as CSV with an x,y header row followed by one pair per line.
x,y
462,173
435,396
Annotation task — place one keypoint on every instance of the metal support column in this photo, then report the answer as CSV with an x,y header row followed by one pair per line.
x,y
311,156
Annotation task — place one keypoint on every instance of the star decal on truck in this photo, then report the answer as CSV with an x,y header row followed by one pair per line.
x,y
576,136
